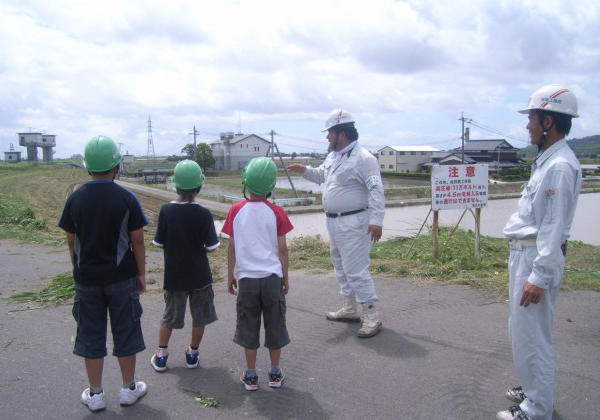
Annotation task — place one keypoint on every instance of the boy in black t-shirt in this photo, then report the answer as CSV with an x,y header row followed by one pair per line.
x,y
104,224
186,232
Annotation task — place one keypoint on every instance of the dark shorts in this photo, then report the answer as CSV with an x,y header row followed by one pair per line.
x,y
92,304
258,297
202,307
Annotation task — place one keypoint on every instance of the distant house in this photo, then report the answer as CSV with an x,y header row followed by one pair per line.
x,y
232,152
404,158
447,158
497,153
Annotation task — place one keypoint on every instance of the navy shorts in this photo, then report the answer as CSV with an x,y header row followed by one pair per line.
x,y
92,305
256,297
202,307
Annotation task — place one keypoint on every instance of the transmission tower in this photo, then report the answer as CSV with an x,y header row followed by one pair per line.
x,y
150,142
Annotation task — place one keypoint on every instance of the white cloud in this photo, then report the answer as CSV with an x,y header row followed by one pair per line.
x,y
406,69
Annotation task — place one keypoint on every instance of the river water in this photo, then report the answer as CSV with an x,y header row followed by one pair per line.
x,y
406,221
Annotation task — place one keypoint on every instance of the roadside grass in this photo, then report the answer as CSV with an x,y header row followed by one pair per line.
x,y
455,263
37,192
32,197
60,290
582,268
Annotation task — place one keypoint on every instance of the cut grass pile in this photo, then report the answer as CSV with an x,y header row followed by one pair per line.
x,y
60,290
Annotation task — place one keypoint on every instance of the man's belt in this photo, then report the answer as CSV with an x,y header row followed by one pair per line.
x,y
519,244
347,213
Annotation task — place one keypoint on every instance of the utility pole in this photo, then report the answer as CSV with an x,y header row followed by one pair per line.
x,y
195,133
462,136
273,147
150,142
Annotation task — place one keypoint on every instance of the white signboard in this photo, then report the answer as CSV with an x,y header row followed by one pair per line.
x,y
459,186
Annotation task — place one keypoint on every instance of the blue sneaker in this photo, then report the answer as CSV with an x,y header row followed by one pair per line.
x,y
159,360
250,382
276,379
192,358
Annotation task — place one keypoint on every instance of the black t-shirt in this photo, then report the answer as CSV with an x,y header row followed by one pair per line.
x,y
101,214
186,231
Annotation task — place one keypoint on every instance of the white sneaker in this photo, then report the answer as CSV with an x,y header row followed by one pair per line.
x,y
130,396
513,413
516,394
94,402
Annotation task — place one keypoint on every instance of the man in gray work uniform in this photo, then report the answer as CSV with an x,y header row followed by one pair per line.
x,y
537,233
355,205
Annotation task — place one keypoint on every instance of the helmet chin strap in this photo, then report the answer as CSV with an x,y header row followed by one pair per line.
x,y
544,136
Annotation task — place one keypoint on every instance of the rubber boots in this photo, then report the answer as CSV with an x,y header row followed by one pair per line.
x,y
371,322
348,313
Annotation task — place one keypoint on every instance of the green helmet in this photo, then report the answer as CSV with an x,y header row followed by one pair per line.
x,y
188,175
101,154
259,175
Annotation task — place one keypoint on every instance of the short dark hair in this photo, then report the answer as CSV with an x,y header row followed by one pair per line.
x,y
107,171
349,129
562,122
187,194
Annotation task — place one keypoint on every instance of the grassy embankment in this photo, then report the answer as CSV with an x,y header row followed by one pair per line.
x,y
32,197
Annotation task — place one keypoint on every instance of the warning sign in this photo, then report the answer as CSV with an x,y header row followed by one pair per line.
x,y
459,186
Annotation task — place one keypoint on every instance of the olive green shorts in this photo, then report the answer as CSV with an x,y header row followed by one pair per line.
x,y
202,307
261,297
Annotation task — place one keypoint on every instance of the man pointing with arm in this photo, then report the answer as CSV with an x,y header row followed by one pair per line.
x,y
354,204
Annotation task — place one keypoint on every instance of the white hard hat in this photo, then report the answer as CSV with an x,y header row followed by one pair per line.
x,y
555,98
337,117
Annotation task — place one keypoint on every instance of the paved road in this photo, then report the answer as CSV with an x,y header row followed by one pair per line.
x,y
443,355
171,195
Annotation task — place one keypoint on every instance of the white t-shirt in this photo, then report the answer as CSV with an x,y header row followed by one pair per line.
x,y
255,226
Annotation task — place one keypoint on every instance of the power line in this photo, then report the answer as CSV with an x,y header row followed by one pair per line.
x,y
491,130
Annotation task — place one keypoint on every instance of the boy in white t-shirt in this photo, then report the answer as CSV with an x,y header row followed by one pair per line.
x,y
258,269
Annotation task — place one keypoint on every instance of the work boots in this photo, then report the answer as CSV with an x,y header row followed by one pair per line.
x,y
348,313
371,322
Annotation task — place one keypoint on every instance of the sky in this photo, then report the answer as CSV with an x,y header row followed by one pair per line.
x,y
405,70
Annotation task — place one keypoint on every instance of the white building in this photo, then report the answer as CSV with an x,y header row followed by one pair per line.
x,y
232,152
33,140
12,155
404,158
126,162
